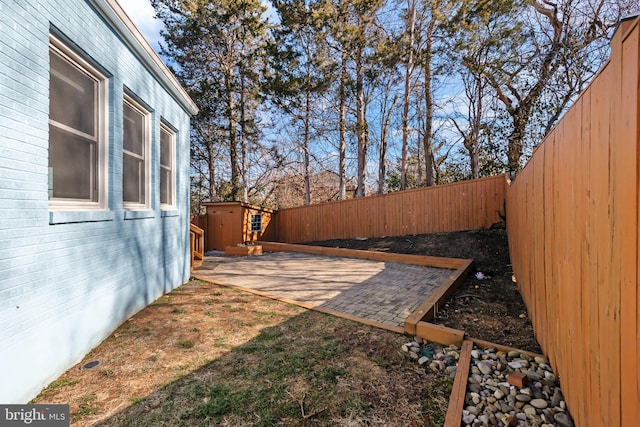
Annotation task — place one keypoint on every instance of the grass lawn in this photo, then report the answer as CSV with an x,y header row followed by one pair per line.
x,y
210,355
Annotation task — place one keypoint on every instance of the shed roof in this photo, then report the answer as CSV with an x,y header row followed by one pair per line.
x,y
124,26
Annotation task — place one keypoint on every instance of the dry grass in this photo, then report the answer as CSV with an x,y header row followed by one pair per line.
x,y
209,355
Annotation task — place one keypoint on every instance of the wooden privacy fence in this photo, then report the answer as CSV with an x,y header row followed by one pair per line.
x,y
572,221
459,206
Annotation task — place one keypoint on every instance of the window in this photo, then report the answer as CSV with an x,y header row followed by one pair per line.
x,y
256,223
167,167
135,155
77,142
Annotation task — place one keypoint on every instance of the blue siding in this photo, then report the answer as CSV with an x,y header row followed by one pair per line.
x,y
65,286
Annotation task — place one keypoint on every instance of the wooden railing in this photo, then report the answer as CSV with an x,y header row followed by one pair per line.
x,y
197,245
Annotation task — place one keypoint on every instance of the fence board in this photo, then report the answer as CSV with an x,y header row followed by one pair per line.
x,y
626,161
578,231
589,317
539,292
571,299
599,161
574,239
549,245
612,285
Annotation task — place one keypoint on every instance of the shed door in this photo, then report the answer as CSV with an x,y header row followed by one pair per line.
x,y
227,227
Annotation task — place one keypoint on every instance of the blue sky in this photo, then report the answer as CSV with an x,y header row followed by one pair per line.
x,y
141,13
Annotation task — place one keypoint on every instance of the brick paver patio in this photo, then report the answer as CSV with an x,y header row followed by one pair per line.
x,y
384,292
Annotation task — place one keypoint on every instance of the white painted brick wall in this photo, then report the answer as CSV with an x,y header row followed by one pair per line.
x,y
65,287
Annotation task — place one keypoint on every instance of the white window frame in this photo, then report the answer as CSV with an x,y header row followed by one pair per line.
x,y
146,158
173,135
101,136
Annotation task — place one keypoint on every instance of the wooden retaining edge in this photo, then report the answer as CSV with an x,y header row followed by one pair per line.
x,y
396,329
241,251
439,334
456,400
427,261
504,348
447,336
428,309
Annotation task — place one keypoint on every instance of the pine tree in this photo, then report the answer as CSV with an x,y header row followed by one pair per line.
x,y
215,48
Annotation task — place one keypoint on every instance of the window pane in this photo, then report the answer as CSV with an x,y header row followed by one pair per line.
x,y
165,148
72,96
133,179
73,160
133,125
167,173
256,223
166,196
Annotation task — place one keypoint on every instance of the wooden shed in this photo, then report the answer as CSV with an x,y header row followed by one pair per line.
x,y
231,223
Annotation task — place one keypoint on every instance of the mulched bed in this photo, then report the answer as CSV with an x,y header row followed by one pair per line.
x,y
490,308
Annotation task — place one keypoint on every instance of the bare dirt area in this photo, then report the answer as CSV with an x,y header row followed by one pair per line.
x,y
215,356
490,308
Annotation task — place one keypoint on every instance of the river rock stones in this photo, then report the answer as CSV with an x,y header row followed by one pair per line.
x,y
503,388
525,392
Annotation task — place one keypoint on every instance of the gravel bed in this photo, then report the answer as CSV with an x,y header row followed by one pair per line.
x,y
505,389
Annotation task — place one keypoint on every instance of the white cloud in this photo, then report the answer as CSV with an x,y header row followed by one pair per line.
x,y
142,14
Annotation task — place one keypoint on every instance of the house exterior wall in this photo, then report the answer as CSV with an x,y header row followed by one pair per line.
x,y
68,279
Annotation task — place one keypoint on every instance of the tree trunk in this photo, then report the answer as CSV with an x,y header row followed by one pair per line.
x,y
384,134
243,144
515,140
382,167
361,125
475,131
411,16
211,166
475,162
428,99
307,170
233,145
343,126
